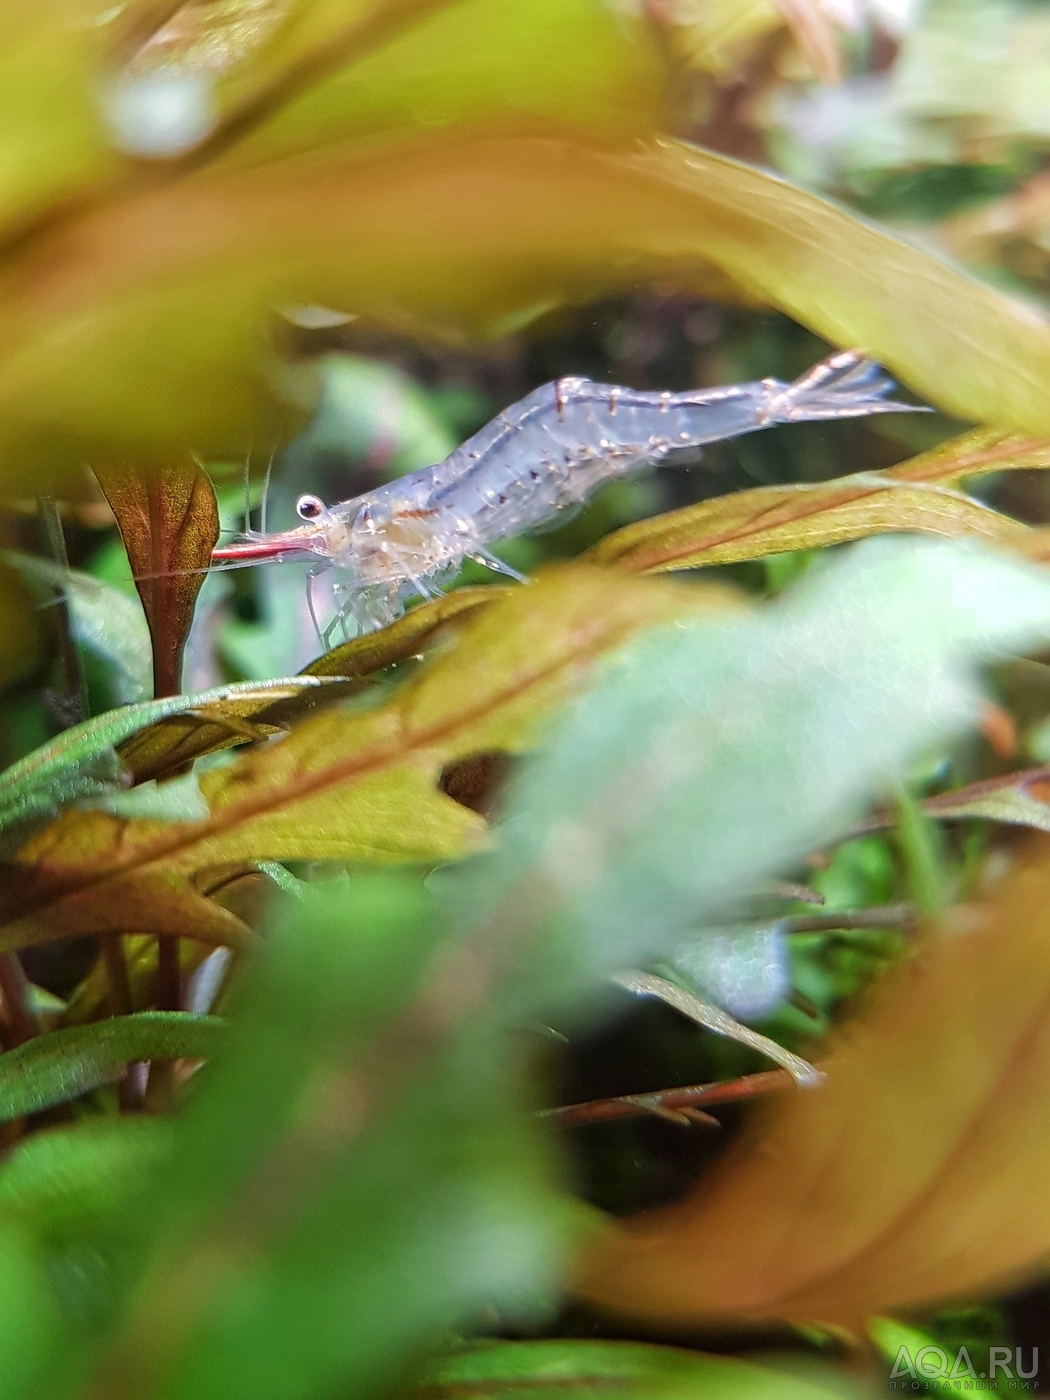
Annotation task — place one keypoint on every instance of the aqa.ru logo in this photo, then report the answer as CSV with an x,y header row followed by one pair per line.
x,y
931,1368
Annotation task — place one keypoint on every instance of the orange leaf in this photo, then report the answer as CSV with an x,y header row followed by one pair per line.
x,y
914,1175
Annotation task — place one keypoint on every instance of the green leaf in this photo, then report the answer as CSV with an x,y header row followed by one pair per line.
x,y
919,496
169,522
352,1160
83,761
570,1369
62,1065
32,1344
59,1183
103,618
750,742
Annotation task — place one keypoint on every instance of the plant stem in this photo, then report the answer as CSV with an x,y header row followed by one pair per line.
x,y
670,1103
160,1087
74,697
900,916
14,986
117,982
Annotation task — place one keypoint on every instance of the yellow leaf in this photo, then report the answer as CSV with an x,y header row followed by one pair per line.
x,y
913,1176
138,324
515,66
54,142
404,638
919,496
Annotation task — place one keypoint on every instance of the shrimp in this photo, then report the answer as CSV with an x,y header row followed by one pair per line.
x,y
534,460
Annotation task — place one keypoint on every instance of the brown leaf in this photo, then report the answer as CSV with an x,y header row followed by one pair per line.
x,y
239,891
914,1175
169,522
343,785
920,495
1019,799
166,747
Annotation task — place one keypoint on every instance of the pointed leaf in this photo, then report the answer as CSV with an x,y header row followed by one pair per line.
x,y
169,522
243,715
833,1206
919,496
1019,799
64,1064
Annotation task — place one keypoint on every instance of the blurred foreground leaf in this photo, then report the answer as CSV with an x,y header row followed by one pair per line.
x,y
467,235
640,817
351,1177
169,522
379,72
62,1065
62,1180
569,1369
913,1176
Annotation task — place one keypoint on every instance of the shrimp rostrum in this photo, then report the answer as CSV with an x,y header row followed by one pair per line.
x,y
543,455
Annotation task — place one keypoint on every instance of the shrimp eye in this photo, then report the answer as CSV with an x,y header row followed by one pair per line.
x,y
309,507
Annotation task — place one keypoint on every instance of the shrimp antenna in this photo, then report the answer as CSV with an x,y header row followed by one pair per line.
x,y
247,476
222,567
266,492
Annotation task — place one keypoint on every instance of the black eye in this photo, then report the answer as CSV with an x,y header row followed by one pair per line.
x,y
309,507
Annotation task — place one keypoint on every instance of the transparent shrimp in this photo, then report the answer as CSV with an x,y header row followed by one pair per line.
x,y
542,455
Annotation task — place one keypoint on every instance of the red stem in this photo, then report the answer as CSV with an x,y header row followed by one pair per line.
x,y
670,1100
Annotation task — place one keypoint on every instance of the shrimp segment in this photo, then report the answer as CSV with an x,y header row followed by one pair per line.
x,y
547,452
